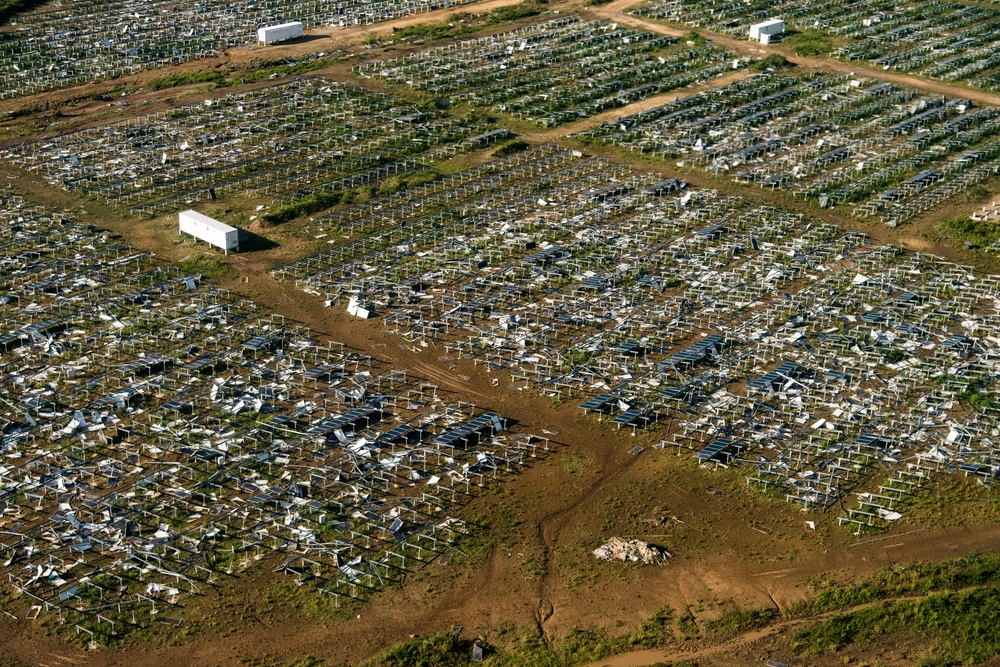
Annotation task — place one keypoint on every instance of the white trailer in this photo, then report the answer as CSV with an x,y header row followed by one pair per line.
x,y
766,30
212,231
277,33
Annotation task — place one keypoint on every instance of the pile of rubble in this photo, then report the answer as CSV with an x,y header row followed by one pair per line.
x,y
634,551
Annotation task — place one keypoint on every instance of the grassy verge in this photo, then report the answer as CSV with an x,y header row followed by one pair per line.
x,y
980,232
186,78
8,8
809,43
464,23
905,580
960,626
210,265
322,200
773,62
577,647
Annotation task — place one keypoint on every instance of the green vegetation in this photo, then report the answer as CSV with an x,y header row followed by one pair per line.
x,y
961,625
773,61
974,570
977,193
464,23
490,529
510,147
980,232
573,462
256,70
213,76
307,661
978,395
737,621
894,355
272,69
956,609
209,265
811,42
441,650
8,8
694,38
578,647
322,200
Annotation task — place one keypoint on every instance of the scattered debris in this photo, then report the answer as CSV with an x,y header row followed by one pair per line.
x,y
634,551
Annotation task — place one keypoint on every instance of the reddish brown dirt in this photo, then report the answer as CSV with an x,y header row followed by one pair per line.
x,y
541,576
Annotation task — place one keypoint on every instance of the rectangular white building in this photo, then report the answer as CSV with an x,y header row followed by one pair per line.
x,y
212,231
277,33
764,31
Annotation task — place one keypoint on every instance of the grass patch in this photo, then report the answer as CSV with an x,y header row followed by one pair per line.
x,y
774,62
810,42
955,615
267,661
894,355
324,199
185,78
525,648
961,625
261,69
736,622
695,38
977,193
210,266
974,570
980,232
573,462
978,395
511,147
464,23
8,8
441,650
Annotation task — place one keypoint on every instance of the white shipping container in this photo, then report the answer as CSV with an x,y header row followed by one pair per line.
x,y
770,27
276,33
212,231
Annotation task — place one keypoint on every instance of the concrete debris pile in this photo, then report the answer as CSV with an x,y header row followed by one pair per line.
x,y
634,551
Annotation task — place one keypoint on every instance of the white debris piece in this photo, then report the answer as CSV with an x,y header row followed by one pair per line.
x,y
634,551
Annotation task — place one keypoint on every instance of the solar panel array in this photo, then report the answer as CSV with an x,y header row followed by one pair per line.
x,y
557,71
871,149
949,41
833,366
160,435
68,44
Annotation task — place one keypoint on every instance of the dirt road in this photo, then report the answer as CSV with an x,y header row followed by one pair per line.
x,y
616,11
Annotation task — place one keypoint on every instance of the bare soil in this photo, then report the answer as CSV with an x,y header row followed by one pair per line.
x,y
741,547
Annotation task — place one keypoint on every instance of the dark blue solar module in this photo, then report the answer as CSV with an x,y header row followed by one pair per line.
x,y
722,450
369,415
870,440
542,256
695,353
489,421
780,375
958,342
632,416
400,433
598,402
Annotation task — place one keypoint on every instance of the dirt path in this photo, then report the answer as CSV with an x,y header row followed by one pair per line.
x,y
320,39
615,11
360,34
741,642
584,124
560,513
